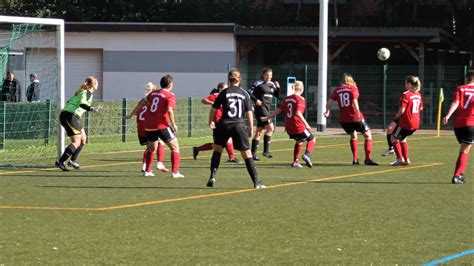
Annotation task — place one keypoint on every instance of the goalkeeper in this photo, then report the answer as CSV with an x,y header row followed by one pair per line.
x,y
69,119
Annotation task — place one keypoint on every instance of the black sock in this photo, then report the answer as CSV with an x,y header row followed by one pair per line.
x,y
67,152
389,141
215,161
266,143
76,153
255,143
250,164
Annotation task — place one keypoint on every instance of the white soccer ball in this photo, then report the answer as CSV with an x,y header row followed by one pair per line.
x,y
383,54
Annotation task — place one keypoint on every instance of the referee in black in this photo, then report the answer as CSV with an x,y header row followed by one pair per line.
x,y
235,103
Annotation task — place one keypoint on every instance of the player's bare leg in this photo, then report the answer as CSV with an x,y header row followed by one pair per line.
x,y
354,148
461,164
175,158
368,148
266,140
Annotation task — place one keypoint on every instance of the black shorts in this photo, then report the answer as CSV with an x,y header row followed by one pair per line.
x,y
401,133
143,140
300,137
238,133
361,127
71,123
165,135
465,134
262,112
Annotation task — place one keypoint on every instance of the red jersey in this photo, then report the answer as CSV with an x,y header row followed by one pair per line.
x,y
212,98
345,96
291,104
413,104
465,112
141,119
158,102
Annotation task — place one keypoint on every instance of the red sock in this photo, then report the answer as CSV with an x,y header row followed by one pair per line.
x,y
205,147
149,161
354,149
175,158
310,146
398,149
297,150
404,146
230,150
461,163
368,149
145,154
160,153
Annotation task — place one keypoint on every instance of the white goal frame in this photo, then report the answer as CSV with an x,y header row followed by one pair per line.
x,y
59,23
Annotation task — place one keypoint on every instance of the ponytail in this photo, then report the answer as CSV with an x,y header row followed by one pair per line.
x,y
414,81
89,83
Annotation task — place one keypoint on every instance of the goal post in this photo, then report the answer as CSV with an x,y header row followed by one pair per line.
x,y
30,134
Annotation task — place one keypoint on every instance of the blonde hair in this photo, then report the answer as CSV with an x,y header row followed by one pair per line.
x,y
347,79
298,86
234,76
414,81
149,87
89,83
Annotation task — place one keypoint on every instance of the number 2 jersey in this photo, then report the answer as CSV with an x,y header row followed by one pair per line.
x,y
289,105
465,112
157,115
413,104
345,96
235,102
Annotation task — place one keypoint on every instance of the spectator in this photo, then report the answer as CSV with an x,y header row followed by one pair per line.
x,y
33,91
11,91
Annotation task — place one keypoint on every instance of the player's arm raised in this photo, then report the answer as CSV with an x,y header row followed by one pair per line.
x,y
137,107
272,115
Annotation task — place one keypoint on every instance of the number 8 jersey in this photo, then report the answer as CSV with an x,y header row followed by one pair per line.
x,y
235,103
158,101
345,96
413,104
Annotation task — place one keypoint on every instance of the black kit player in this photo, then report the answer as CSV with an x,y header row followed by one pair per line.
x,y
236,105
262,93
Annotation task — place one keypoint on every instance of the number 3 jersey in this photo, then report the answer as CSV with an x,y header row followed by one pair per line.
x,y
235,102
345,96
465,112
290,105
157,115
413,104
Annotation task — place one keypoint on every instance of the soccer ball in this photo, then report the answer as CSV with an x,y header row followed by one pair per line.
x,y
383,54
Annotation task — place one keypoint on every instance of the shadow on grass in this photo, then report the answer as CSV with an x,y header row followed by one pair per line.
x,y
378,182
135,187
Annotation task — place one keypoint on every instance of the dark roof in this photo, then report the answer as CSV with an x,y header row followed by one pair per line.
x,y
148,27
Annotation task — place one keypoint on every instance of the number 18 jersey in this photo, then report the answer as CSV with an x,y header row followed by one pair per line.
x,y
235,102
345,96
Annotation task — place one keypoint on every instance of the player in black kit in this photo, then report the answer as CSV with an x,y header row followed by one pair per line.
x,y
262,93
236,104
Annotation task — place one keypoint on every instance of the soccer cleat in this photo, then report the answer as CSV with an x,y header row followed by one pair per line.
x,y
61,166
74,164
388,152
296,164
255,158
177,175
307,159
144,168
407,162
398,162
267,154
233,160
356,162
370,162
148,174
458,179
259,185
160,166
211,181
195,153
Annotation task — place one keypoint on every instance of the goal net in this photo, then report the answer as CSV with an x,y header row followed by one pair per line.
x,y
31,91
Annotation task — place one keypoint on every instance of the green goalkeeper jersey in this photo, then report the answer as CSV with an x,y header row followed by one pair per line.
x,y
74,103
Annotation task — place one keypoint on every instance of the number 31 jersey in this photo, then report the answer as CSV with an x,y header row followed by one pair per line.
x,y
290,105
235,102
158,102
345,96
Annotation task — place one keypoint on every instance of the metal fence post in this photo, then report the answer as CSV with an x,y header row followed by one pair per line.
x,y
124,121
3,122
306,89
86,126
385,67
190,117
47,135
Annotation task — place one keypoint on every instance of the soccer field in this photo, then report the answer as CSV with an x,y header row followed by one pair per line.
x,y
334,213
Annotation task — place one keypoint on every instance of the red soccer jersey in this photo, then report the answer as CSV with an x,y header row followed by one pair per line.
x,y
212,98
465,112
141,119
289,105
413,104
345,96
157,116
